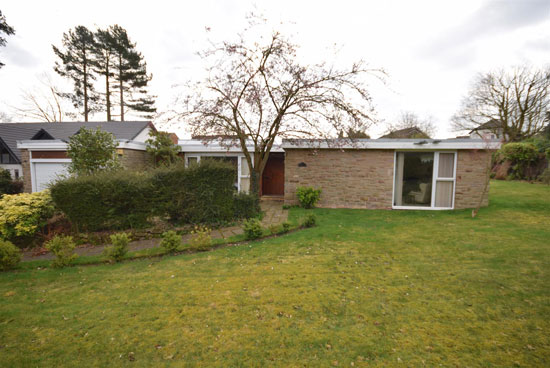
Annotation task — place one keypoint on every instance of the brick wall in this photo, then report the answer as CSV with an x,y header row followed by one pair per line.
x,y
349,179
364,178
471,173
135,160
26,165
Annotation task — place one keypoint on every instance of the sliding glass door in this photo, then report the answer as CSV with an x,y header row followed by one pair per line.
x,y
424,179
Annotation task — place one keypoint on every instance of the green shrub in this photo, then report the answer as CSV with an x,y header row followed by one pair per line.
x,y
10,255
63,249
117,251
114,200
23,215
285,227
545,176
521,155
308,196
274,229
309,221
200,238
246,205
120,200
9,185
171,241
92,151
252,229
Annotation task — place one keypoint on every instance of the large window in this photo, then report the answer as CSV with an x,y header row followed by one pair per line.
x,y
242,173
424,180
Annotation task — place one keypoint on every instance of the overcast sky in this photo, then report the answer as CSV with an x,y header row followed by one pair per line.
x,y
431,49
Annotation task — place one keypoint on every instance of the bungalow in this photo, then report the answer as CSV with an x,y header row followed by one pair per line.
x,y
38,151
228,149
390,173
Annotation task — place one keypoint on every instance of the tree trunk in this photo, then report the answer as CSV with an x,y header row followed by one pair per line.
x,y
85,91
121,87
107,91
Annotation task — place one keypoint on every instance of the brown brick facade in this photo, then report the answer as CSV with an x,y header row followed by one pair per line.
x,y
348,179
135,160
364,178
26,165
471,173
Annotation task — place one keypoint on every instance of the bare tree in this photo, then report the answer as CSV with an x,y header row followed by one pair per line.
x,y
409,119
519,98
258,91
43,103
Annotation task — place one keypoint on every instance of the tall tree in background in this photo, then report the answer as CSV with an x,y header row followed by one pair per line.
x,y
519,98
5,29
76,63
104,64
258,91
130,74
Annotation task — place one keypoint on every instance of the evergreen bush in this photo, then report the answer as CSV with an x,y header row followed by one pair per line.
x,y
10,255
63,249
308,196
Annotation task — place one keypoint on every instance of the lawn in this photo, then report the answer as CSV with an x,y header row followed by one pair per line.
x,y
364,288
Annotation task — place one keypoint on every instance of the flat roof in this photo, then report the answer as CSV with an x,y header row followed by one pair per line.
x,y
217,146
391,143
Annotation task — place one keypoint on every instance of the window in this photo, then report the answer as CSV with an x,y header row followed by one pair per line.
x,y
424,179
242,173
16,174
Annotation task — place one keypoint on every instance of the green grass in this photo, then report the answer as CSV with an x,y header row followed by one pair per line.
x,y
376,288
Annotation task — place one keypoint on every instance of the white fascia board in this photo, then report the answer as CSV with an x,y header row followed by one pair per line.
x,y
199,146
397,144
58,145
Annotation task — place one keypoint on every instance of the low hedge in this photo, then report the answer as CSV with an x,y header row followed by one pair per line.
x,y
202,193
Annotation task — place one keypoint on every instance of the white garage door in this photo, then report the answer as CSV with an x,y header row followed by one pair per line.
x,y
47,172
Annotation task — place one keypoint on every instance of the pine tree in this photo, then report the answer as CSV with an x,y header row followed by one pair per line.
x,y
130,75
6,29
76,63
104,64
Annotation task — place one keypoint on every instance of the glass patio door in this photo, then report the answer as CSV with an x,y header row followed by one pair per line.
x,y
424,180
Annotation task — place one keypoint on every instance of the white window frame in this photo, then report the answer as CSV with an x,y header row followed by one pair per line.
x,y
435,179
240,158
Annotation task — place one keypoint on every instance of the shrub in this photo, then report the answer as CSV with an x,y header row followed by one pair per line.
x,y
200,238
63,249
246,205
117,251
521,155
252,229
171,241
92,151
9,185
115,200
309,221
285,227
274,229
120,200
161,148
23,215
308,196
10,255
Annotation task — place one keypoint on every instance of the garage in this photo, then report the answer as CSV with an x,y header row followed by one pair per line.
x,y
43,173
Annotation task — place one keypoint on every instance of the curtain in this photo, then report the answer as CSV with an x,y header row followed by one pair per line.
x,y
398,194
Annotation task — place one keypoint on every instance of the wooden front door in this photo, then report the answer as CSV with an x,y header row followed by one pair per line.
x,y
273,178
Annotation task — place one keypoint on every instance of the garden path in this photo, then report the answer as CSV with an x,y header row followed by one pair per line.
x,y
273,215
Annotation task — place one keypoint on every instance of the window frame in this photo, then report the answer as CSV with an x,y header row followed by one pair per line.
x,y
435,179
240,158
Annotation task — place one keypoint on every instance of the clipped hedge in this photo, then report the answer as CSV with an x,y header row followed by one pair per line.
x,y
203,193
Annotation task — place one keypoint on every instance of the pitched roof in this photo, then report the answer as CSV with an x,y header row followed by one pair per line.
x,y
490,125
412,132
10,133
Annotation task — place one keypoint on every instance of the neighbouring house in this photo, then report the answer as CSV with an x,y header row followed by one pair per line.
x,y
38,151
390,173
228,149
490,130
412,132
